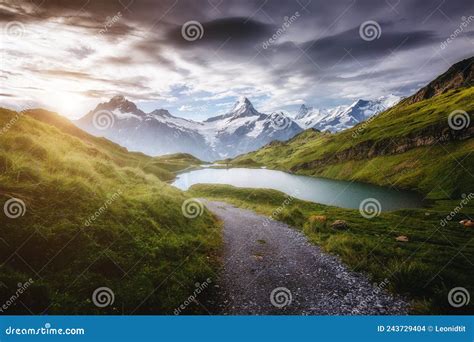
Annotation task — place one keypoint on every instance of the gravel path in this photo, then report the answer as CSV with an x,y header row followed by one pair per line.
x,y
261,256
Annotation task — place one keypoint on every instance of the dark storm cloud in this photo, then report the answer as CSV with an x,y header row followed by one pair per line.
x,y
323,46
328,50
230,33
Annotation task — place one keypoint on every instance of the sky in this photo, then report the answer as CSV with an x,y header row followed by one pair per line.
x,y
196,57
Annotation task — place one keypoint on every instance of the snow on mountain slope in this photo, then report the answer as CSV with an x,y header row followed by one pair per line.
x,y
244,129
241,130
343,117
154,133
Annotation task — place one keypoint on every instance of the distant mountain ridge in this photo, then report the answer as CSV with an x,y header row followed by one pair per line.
x,y
241,130
343,117
409,146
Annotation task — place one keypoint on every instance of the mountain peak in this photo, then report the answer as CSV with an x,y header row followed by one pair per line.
x,y
118,99
164,113
242,104
243,107
120,103
303,111
458,75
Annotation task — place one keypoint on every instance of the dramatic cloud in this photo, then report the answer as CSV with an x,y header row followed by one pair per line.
x,y
70,55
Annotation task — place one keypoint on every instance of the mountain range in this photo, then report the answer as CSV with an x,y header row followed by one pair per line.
x,y
412,145
241,130
343,117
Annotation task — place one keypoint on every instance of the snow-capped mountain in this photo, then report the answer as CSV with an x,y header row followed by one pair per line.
x,y
343,117
154,133
241,130
244,129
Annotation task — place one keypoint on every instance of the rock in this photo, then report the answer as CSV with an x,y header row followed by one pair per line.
x,y
467,223
402,238
317,218
340,225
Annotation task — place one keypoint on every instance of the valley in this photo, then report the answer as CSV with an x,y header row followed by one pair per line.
x,y
100,209
413,145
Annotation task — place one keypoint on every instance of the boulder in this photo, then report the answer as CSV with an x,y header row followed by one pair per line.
x,y
340,225
402,238
317,218
467,223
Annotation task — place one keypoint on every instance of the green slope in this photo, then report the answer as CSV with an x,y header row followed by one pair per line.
x,y
408,146
435,259
178,162
96,216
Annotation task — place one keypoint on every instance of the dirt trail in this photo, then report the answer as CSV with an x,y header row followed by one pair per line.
x,y
261,256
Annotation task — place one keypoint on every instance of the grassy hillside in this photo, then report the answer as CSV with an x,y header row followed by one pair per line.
x,y
435,259
95,216
178,162
408,146
164,167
